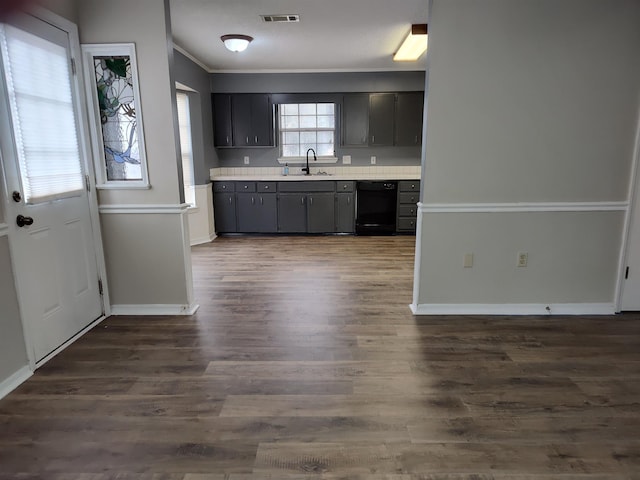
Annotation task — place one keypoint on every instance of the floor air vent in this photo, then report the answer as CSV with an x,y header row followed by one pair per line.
x,y
280,18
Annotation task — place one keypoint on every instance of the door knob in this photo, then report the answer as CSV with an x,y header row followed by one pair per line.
x,y
21,220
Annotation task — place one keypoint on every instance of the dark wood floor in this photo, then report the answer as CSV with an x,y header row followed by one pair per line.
x,y
304,362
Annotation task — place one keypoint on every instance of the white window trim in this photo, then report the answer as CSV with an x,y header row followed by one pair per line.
x,y
88,52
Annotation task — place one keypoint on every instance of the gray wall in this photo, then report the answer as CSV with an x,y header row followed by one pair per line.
x,y
529,101
64,8
13,354
152,242
144,25
326,83
316,82
193,76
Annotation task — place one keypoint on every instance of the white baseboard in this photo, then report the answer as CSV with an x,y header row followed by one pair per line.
x,y
513,309
154,309
201,240
14,381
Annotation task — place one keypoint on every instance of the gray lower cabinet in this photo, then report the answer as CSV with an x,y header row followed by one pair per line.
x,y
284,207
321,213
345,213
292,212
257,212
224,211
306,212
408,198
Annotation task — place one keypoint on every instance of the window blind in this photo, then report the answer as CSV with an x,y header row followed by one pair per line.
x,y
44,123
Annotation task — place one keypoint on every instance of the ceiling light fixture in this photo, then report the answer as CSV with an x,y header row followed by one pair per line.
x,y
414,45
236,43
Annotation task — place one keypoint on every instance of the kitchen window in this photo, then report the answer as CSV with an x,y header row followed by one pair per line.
x,y
307,125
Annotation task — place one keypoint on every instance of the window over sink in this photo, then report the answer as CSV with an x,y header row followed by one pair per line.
x,y
307,125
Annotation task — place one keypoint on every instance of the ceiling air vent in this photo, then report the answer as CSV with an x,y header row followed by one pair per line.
x,y
280,18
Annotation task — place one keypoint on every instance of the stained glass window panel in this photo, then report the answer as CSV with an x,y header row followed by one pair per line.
x,y
116,103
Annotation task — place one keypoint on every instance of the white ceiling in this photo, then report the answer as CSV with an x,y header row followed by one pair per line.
x,y
333,35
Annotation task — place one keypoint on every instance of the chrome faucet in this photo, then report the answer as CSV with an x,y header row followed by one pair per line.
x,y
306,169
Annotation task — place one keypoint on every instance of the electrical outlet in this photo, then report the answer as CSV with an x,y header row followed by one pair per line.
x,y
246,160
468,260
523,258
346,159
373,159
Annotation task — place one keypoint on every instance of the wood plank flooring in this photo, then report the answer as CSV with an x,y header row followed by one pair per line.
x,y
304,362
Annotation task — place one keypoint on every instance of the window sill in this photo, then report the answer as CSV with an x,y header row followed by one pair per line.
x,y
303,160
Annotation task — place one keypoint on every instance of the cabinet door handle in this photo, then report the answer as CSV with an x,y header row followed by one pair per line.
x,y
256,137
224,187
301,200
247,140
266,187
229,200
416,141
246,186
261,201
253,201
227,139
348,200
373,139
310,200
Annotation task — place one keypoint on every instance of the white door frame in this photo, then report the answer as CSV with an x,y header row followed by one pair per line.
x,y
77,83
633,208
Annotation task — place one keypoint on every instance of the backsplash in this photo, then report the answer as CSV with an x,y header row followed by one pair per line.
x,y
297,170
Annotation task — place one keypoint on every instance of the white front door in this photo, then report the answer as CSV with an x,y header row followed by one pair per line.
x,y
51,236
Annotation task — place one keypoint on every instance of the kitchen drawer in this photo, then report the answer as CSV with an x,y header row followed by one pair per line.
x,y
223,186
307,186
267,187
406,224
408,211
409,197
345,186
409,185
245,186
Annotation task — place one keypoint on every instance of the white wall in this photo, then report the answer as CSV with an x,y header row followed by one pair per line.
x,y
147,253
530,103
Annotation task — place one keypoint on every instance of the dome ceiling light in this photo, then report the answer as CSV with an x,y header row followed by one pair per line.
x,y
236,43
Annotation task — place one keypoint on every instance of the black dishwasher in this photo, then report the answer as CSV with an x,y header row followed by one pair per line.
x,y
376,207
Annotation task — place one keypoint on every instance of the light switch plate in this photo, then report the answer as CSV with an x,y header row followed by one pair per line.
x,y
246,160
346,159
468,260
373,159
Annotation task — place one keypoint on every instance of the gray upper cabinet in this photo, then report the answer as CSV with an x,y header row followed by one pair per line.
x,y
409,108
355,120
381,119
252,120
222,133
243,120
